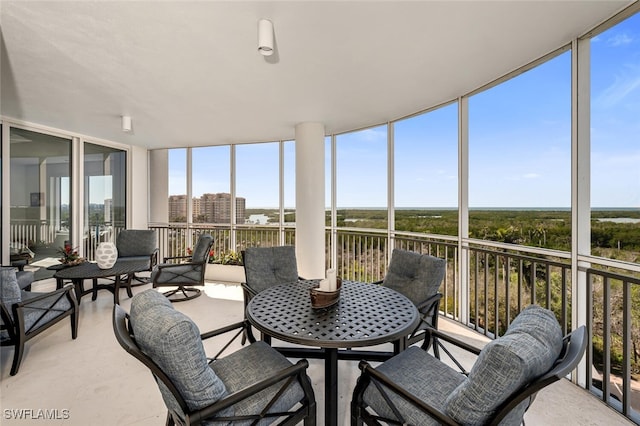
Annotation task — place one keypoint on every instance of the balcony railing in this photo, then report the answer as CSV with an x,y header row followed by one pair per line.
x,y
502,279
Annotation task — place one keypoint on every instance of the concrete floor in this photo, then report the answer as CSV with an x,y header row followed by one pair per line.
x,y
92,381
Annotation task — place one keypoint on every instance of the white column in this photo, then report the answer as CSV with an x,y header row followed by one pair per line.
x,y
159,186
310,247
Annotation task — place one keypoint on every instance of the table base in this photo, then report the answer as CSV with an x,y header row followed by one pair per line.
x,y
113,288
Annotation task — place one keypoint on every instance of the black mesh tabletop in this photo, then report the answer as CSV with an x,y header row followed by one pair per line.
x,y
89,270
365,315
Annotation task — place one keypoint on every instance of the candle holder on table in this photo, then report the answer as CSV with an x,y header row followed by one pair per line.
x,y
325,298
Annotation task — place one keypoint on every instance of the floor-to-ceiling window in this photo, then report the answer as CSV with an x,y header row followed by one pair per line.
x,y
258,193
178,185
40,206
520,158
361,178
426,172
104,204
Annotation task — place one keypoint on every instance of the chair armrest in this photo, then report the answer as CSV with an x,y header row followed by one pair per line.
x,y
248,290
298,369
375,375
378,282
68,288
222,330
426,305
175,257
450,339
173,265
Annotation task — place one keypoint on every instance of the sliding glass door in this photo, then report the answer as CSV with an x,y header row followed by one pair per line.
x,y
40,203
104,195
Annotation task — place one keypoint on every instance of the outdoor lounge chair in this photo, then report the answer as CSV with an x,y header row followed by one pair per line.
x,y
418,277
500,387
255,385
265,267
25,314
138,244
183,276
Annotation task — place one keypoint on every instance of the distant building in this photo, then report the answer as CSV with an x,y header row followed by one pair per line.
x,y
209,208
177,208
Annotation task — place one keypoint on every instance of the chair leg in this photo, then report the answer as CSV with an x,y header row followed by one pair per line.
x,y
310,420
74,323
17,356
169,421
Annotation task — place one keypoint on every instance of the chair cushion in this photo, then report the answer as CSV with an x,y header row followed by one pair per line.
x,y
33,317
417,276
268,266
423,375
25,279
9,288
172,340
527,350
249,365
136,242
177,274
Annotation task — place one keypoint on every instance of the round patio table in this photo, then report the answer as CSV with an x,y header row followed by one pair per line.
x,y
365,315
89,270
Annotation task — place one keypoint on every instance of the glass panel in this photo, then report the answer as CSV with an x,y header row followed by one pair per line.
x,y
211,185
520,158
615,152
426,172
259,190
289,183
177,185
104,195
362,178
40,205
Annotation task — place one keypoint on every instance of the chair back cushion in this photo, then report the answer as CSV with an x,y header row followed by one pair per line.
x,y
203,246
417,276
528,349
172,341
265,267
136,242
9,288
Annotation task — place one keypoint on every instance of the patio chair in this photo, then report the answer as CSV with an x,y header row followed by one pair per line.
x,y
265,267
254,385
138,244
25,314
500,387
184,275
418,277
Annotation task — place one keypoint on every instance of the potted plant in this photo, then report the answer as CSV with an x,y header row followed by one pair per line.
x,y
225,267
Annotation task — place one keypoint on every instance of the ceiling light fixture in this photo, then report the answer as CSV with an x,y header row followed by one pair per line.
x,y
265,37
126,123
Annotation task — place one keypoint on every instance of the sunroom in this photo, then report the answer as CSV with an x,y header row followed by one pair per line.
x,y
499,136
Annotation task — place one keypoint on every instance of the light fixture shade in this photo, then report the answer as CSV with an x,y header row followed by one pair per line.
x,y
126,123
265,37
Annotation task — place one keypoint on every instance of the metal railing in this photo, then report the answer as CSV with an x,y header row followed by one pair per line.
x,y
502,280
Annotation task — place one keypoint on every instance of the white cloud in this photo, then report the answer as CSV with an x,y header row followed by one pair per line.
x,y
619,40
623,86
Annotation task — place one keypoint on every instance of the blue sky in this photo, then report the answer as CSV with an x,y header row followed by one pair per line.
x,y
519,145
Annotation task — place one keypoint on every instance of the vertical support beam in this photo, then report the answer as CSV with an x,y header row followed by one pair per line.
x,y
5,202
310,246
581,184
334,213
463,208
281,193
232,189
158,186
77,195
391,224
189,233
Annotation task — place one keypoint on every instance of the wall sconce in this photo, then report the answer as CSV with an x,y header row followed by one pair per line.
x,y
126,123
265,37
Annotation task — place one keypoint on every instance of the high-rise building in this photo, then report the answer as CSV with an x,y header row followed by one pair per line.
x,y
177,208
216,208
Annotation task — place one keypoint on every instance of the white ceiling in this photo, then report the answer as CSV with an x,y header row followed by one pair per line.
x,y
189,73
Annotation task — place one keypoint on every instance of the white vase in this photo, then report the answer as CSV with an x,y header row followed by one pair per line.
x,y
106,255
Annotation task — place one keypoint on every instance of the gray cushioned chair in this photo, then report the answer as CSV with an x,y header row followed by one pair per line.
x,y
498,389
265,267
418,277
255,385
184,275
25,314
138,244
